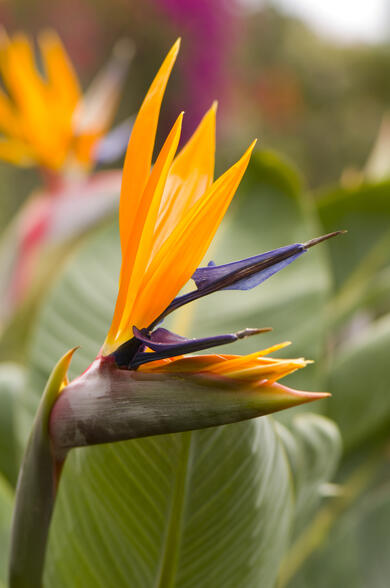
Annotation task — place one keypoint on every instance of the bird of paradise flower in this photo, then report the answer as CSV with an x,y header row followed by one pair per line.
x,y
168,217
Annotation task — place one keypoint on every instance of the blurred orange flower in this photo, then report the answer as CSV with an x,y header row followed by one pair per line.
x,y
44,119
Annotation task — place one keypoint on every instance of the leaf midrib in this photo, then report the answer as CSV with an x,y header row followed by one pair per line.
x,y
171,546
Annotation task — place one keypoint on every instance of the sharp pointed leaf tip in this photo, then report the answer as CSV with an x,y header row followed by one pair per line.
x,y
310,396
276,397
251,331
57,381
322,238
176,46
63,365
252,145
67,358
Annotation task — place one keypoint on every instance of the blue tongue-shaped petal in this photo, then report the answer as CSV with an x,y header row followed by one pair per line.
x,y
250,272
254,270
165,344
241,275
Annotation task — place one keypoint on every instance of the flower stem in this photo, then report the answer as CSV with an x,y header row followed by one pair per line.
x,y
36,491
35,497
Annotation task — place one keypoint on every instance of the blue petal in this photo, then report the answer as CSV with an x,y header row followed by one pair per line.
x,y
239,275
257,269
165,344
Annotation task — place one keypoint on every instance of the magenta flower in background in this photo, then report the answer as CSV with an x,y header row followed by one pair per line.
x,y
210,30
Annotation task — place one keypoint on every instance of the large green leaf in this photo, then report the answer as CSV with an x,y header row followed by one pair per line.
x,y
358,380
313,446
211,508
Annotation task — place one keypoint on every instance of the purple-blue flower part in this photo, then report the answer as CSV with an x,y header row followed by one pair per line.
x,y
267,264
238,275
165,344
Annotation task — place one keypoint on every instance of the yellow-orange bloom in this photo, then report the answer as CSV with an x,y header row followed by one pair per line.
x,y
44,119
168,216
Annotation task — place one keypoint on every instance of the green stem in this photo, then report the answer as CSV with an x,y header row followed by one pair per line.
x,y
34,505
35,492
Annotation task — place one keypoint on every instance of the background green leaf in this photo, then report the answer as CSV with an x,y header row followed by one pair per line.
x,y
313,446
358,380
350,539
365,252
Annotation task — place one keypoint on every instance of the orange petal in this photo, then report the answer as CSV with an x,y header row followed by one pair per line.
x,y
138,250
184,364
60,73
270,372
235,367
32,98
62,93
191,175
21,77
138,158
9,121
16,152
184,249
241,361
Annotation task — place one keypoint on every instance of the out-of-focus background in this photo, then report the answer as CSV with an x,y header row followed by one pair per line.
x,y
310,79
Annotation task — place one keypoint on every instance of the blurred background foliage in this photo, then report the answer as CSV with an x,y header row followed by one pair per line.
x,y
312,101
317,101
